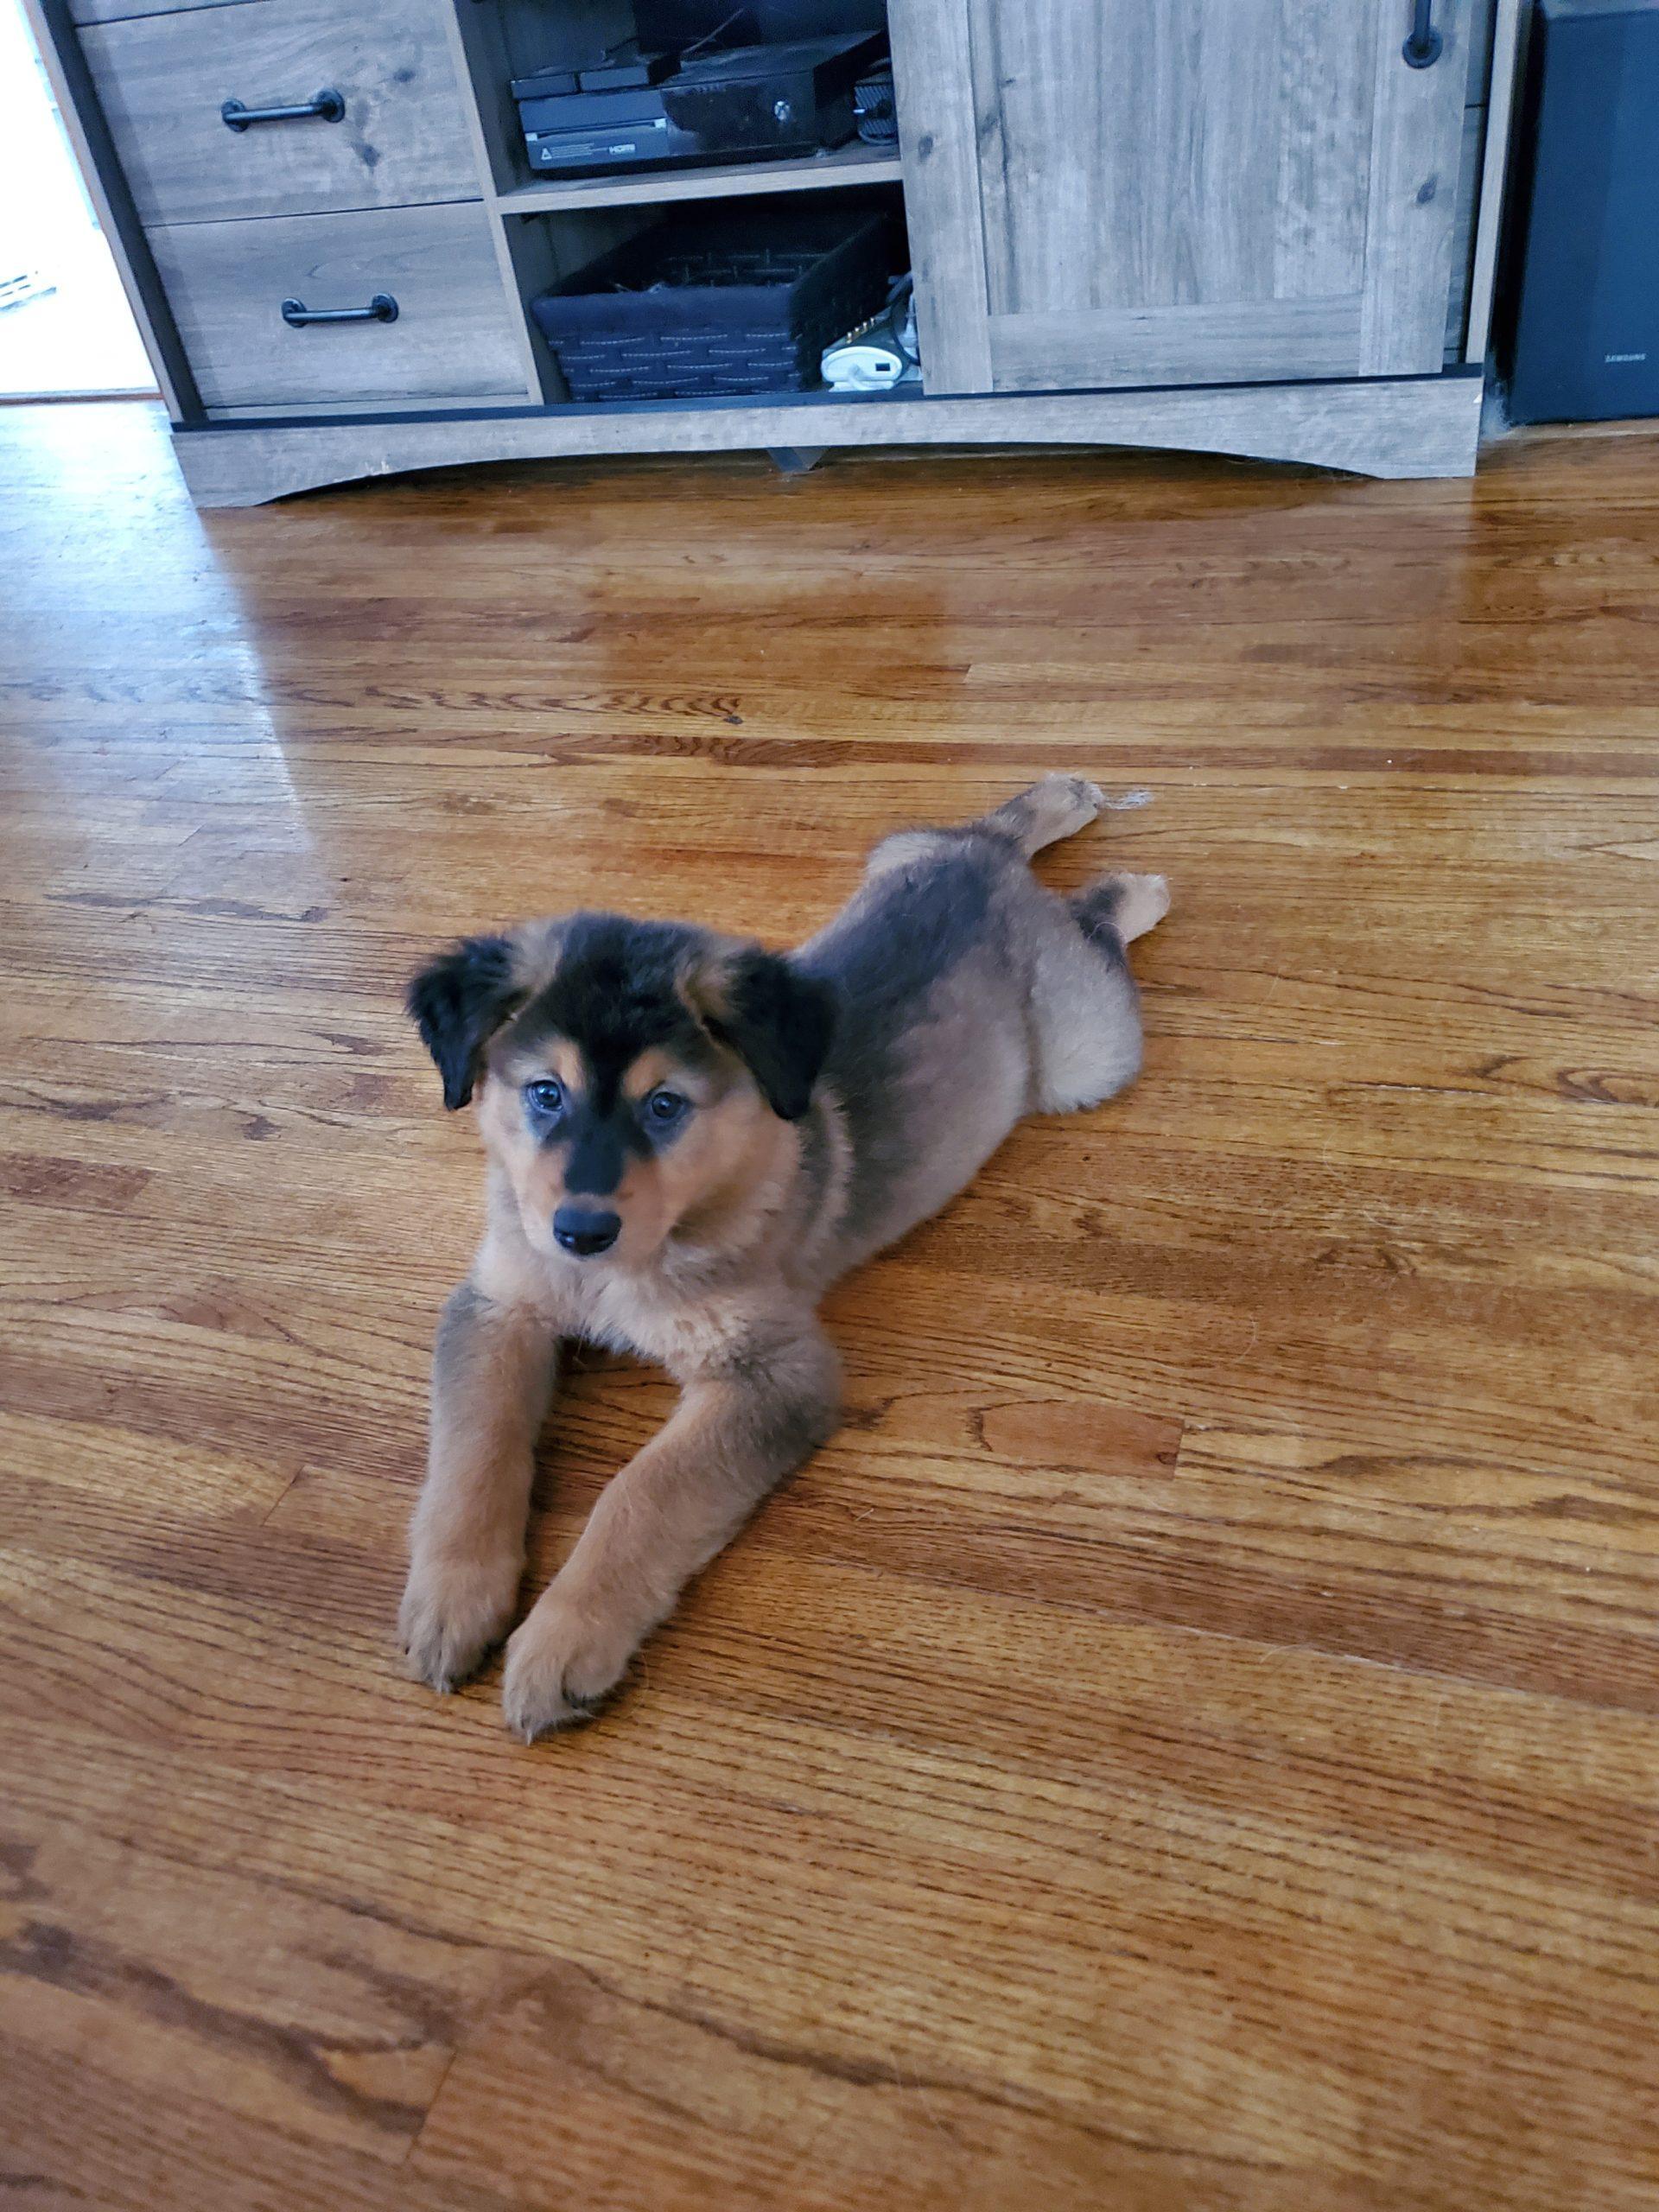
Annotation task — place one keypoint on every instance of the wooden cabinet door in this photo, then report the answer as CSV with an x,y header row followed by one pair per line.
x,y
1152,192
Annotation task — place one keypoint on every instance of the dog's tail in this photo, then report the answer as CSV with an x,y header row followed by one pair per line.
x,y
1057,807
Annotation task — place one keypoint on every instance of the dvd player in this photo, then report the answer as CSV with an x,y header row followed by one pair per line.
x,y
746,102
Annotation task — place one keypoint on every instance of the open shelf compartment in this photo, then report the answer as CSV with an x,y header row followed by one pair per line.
x,y
553,252
504,40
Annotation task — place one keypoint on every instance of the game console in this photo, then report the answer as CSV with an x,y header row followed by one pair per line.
x,y
706,105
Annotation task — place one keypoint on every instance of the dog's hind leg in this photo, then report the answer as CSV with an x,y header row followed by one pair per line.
x,y
1057,807
1127,905
1085,1011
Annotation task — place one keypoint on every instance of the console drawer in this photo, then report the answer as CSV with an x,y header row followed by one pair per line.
x,y
452,337
401,136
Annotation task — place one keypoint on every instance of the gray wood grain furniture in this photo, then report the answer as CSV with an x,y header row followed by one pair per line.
x,y
1256,226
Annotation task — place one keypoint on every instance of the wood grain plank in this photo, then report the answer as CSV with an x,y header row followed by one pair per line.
x,y
104,12
334,2025
453,338
1070,349
791,2127
830,170
1299,1848
1388,428
1416,149
72,2135
1129,196
1188,1742
938,133
161,81
1510,21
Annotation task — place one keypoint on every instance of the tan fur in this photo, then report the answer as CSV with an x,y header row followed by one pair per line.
x,y
1142,902
1057,807
705,1187
493,1377
729,1238
677,1502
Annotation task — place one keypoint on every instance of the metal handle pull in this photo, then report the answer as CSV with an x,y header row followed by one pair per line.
x,y
381,309
1424,45
326,106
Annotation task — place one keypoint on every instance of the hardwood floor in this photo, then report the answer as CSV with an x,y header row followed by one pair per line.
x,y
1191,1744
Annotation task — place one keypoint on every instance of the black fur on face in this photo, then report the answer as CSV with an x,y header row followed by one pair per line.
x,y
779,1022
622,986
615,993
458,1002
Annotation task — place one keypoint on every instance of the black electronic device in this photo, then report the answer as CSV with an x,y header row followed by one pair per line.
x,y
544,83
581,112
720,103
608,146
623,71
1581,339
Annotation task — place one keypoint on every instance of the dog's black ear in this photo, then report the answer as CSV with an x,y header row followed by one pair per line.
x,y
458,1002
778,1021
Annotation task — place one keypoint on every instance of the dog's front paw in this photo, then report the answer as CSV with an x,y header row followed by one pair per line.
x,y
453,1616
562,1662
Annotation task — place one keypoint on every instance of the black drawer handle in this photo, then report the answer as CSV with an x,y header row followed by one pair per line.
x,y
327,106
1424,46
381,309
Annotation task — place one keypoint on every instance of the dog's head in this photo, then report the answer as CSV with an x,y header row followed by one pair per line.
x,y
633,1077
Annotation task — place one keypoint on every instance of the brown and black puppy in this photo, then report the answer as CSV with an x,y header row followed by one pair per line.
x,y
689,1138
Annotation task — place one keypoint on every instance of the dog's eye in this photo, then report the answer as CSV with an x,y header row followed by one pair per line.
x,y
664,1107
544,1095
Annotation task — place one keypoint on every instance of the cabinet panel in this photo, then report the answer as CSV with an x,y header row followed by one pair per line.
x,y
453,337
1175,345
1118,192
109,11
163,80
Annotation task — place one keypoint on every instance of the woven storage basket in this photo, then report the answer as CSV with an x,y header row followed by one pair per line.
x,y
719,301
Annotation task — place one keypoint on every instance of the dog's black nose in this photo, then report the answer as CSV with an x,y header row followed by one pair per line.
x,y
578,1230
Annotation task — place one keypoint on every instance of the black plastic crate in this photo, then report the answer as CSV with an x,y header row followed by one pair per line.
x,y
719,301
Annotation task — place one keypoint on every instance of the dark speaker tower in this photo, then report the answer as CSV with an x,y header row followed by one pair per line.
x,y
1582,336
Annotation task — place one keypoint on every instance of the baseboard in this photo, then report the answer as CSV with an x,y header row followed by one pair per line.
x,y
1392,427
